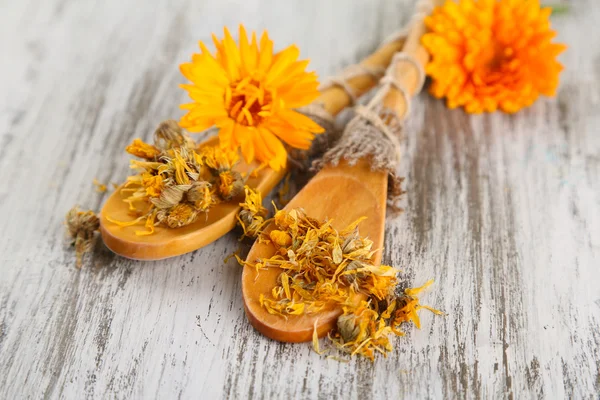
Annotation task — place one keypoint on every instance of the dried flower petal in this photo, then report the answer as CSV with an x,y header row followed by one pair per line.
x,y
280,238
100,187
219,159
143,150
252,216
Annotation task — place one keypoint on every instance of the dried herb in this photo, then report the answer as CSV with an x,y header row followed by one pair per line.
x,y
365,328
100,187
323,268
252,216
81,226
177,182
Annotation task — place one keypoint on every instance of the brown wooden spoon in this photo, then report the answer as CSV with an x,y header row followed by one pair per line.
x,y
343,193
170,242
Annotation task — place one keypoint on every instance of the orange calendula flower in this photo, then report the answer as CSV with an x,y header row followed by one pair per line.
x,y
492,54
249,93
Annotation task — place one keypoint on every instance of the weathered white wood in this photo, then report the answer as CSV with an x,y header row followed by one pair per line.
x,y
501,210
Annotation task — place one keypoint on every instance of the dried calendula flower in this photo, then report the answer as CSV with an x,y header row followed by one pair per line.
x,y
365,328
81,226
408,305
177,182
252,217
230,184
181,215
218,159
322,268
201,195
144,150
169,135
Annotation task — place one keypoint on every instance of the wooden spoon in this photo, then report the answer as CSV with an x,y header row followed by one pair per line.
x,y
343,193
169,242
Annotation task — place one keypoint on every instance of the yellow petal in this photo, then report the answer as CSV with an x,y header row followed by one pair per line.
x,y
226,134
248,53
299,121
280,62
270,150
244,137
231,57
266,53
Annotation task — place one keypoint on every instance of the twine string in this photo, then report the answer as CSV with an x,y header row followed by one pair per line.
x,y
424,8
375,119
391,82
351,72
374,132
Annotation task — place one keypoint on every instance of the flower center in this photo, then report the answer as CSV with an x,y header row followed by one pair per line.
x,y
248,102
498,57
496,62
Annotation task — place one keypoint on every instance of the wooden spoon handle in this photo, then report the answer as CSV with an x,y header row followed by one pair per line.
x,y
406,73
335,99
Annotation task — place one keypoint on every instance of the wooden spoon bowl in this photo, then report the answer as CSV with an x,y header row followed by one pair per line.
x,y
358,191
169,242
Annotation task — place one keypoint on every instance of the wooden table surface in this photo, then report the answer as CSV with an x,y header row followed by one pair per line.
x,y
502,211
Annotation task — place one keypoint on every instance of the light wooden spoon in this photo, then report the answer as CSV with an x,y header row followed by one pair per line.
x,y
343,193
169,242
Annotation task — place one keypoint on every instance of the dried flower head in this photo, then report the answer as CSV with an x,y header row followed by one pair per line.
x,y
230,184
218,159
250,93
81,226
201,195
169,135
181,215
492,54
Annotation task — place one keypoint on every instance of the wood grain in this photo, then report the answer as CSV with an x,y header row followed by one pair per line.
x,y
501,210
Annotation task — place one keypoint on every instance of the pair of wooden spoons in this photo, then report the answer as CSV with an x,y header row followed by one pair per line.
x,y
169,242
343,193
